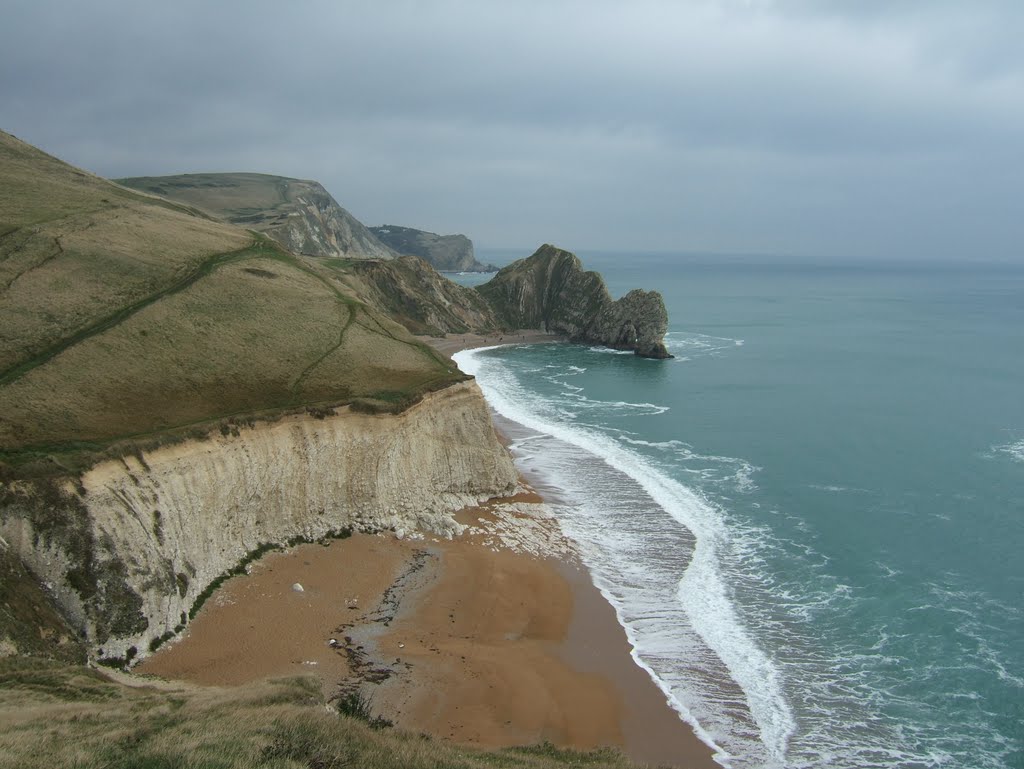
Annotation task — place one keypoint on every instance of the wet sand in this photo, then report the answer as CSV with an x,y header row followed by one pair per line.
x,y
257,626
468,640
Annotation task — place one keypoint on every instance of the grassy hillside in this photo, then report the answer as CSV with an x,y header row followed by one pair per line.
x,y
235,197
52,716
30,622
127,317
298,213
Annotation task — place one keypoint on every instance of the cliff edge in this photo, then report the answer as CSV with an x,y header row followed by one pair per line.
x,y
129,547
299,214
448,253
551,291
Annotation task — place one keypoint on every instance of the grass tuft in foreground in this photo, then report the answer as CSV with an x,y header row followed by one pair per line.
x,y
355,704
55,715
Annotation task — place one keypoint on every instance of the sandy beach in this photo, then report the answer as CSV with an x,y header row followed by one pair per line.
x,y
474,640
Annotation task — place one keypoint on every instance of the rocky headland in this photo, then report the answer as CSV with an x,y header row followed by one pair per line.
x,y
446,253
551,291
548,291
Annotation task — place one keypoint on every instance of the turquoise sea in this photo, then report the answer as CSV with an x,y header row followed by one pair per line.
x,y
811,521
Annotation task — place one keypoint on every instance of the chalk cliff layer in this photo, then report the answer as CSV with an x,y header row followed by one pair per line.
x,y
128,549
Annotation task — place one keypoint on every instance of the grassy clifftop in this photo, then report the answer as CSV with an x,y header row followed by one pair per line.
x,y
52,715
124,316
298,213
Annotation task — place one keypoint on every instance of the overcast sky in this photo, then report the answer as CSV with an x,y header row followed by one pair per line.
x,y
812,127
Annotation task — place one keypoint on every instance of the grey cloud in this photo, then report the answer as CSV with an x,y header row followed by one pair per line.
x,y
728,125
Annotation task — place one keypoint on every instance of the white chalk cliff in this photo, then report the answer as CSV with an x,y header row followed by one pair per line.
x,y
180,516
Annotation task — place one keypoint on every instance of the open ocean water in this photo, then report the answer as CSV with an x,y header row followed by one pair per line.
x,y
811,522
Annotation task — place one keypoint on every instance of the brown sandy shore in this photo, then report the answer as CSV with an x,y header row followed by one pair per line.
x,y
493,639
464,639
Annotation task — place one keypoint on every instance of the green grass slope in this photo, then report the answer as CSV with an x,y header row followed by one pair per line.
x,y
124,317
30,622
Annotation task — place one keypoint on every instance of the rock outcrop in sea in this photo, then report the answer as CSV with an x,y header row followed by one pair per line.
x,y
551,291
548,291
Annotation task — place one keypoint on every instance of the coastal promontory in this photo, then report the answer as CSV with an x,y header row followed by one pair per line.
x,y
447,253
551,291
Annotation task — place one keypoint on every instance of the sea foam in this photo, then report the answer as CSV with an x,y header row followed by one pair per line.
x,y
1013,450
654,547
738,608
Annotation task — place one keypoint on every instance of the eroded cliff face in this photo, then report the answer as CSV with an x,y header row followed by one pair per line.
x,y
453,253
550,291
409,290
318,226
127,550
298,213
